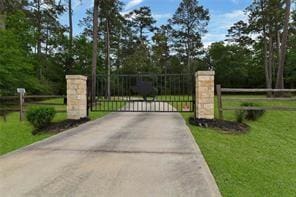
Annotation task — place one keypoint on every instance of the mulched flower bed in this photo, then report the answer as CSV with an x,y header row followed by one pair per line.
x,y
224,125
63,125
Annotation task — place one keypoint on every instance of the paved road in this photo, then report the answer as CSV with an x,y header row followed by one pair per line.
x,y
122,154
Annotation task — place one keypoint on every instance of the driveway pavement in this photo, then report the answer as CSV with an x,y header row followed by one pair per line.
x,y
122,154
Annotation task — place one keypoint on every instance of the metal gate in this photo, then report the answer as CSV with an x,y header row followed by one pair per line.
x,y
144,93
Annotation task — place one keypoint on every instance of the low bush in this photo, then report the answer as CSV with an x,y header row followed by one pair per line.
x,y
249,114
40,117
240,115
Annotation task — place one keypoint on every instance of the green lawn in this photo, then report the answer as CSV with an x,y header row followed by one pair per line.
x,y
259,163
15,134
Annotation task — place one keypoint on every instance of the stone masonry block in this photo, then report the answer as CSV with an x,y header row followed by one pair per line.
x,y
76,96
205,94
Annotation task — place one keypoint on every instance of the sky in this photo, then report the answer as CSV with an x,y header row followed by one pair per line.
x,y
223,13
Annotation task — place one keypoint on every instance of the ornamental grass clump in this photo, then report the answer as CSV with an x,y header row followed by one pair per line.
x,y
40,117
252,114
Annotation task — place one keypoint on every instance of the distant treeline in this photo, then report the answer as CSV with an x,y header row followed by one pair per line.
x,y
37,51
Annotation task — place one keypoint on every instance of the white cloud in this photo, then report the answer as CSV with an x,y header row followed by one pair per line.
x,y
220,23
226,20
132,3
162,16
236,14
209,38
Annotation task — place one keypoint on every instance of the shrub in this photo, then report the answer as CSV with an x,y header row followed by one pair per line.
x,y
240,115
252,114
40,117
249,114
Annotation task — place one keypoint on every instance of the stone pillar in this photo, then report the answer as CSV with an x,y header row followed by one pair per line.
x,y
204,94
76,96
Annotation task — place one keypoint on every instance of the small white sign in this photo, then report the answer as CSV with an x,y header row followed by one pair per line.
x,y
21,90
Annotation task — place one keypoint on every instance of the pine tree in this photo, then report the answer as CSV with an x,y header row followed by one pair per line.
x,y
160,48
189,22
141,19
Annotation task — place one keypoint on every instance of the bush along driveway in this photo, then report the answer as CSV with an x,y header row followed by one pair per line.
x,y
15,134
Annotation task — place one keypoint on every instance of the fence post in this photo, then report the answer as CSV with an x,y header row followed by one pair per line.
x,y
21,106
219,98
88,96
4,116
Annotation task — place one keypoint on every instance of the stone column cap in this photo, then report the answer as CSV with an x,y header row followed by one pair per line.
x,y
82,77
205,73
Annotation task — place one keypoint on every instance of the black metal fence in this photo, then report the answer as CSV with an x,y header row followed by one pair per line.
x,y
144,92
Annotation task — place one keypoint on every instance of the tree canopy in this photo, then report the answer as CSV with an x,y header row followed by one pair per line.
x,y
37,50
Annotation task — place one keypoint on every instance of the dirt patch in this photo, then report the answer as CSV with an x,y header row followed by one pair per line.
x,y
224,125
58,127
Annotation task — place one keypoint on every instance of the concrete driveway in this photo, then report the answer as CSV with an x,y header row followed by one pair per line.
x,y
122,154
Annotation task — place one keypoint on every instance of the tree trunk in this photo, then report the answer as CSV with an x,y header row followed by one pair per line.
x,y
118,61
189,62
270,57
70,35
188,57
282,59
141,34
46,52
188,51
95,49
39,39
266,66
278,45
268,77
108,58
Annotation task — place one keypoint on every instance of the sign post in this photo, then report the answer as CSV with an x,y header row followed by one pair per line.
x,y
22,92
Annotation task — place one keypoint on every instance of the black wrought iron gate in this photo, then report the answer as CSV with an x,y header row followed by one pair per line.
x,y
144,93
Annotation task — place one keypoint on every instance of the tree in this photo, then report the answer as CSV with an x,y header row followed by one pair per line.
x,y
13,61
111,20
69,60
109,36
238,33
260,22
70,24
82,51
20,25
95,47
140,20
189,22
290,72
160,48
270,20
44,18
283,47
139,61
234,66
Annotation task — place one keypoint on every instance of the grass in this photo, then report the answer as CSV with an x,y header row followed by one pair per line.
x,y
259,163
15,134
